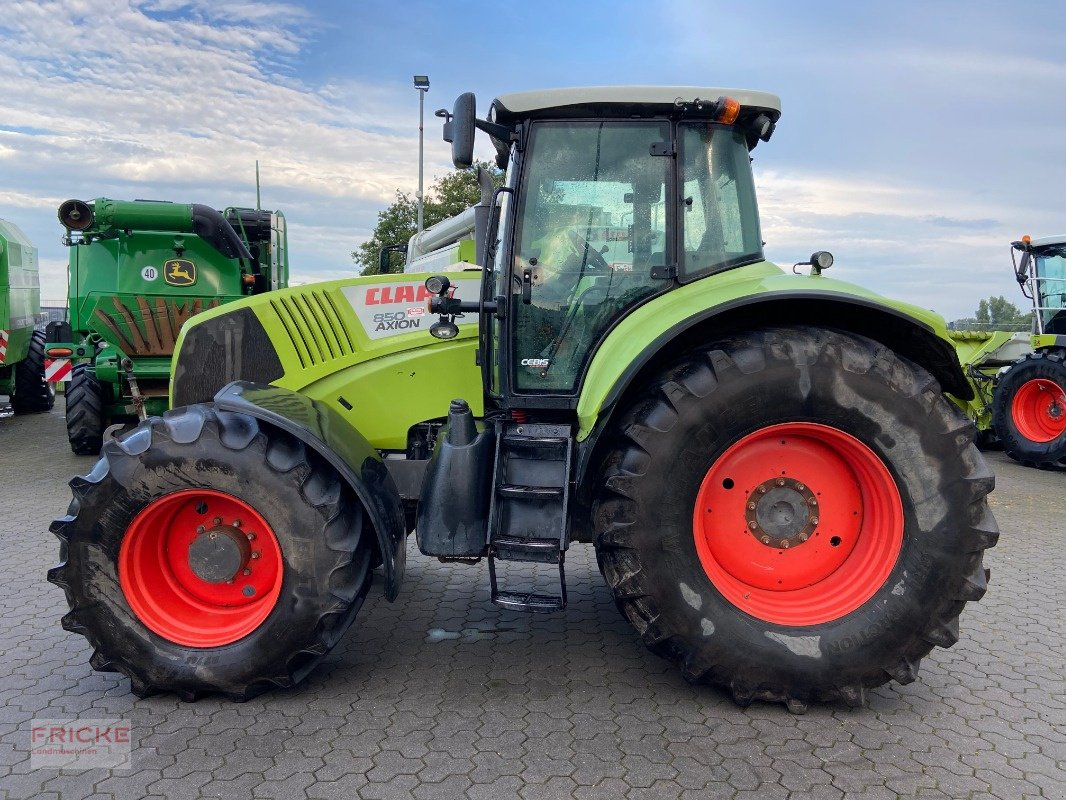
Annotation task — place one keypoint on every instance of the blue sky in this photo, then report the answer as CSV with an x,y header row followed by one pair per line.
x,y
917,139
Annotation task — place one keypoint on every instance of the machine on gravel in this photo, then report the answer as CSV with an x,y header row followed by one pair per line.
x,y
138,271
23,387
1019,379
782,498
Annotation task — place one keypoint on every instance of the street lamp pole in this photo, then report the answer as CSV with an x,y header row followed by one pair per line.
x,y
422,85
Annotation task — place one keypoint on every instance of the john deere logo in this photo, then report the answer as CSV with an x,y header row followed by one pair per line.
x,y
179,272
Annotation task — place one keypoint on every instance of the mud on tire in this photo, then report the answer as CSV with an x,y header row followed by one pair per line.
x,y
671,437
326,546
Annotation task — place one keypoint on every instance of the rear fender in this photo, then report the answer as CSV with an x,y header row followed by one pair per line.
x,y
344,448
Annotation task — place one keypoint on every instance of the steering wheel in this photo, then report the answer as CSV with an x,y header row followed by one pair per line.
x,y
594,258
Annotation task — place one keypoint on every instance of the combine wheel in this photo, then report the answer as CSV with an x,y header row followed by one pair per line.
x,y
32,392
794,514
1029,410
208,553
85,412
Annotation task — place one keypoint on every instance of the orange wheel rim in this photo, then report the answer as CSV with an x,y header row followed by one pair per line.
x,y
200,568
1039,410
798,524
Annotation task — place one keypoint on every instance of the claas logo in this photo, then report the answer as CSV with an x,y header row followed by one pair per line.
x,y
179,272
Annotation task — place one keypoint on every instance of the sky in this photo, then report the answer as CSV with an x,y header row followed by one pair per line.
x,y
917,139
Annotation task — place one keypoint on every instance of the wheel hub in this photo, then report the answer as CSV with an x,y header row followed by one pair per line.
x,y
781,513
219,554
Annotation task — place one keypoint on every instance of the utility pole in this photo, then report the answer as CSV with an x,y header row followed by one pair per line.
x,y
422,85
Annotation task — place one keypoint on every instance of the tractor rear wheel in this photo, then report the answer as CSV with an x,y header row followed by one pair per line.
x,y
1029,409
794,514
32,392
206,552
86,419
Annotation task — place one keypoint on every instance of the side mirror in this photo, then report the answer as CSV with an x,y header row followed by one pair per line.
x,y
461,128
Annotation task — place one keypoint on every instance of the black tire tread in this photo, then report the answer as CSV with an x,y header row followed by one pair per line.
x,y
33,394
85,412
697,375
320,486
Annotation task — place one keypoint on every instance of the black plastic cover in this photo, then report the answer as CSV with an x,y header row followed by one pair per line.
x,y
232,346
453,511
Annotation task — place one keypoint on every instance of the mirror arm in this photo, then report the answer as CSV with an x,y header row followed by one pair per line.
x,y
501,132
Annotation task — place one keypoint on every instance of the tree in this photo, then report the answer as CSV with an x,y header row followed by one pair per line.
x,y
449,195
999,312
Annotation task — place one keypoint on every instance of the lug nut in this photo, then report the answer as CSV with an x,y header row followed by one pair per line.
x,y
200,529
765,540
800,487
251,537
753,525
236,523
751,506
803,537
218,520
780,481
255,554
784,544
812,502
762,490
814,520
247,571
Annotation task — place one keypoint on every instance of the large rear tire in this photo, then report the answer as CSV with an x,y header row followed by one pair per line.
x,y
33,394
794,514
1029,409
86,419
208,553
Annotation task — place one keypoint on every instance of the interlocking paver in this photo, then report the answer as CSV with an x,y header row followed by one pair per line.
x,y
440,696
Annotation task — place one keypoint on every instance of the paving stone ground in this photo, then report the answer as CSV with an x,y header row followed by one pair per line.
x,y
439,695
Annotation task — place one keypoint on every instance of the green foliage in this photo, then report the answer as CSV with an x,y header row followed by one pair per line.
x,y
1001,313
449,195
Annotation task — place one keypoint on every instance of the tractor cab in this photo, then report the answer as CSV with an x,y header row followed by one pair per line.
x,y
1041,272
611,197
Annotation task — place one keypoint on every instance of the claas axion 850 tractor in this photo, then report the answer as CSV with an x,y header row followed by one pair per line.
x,y
781,497
138,271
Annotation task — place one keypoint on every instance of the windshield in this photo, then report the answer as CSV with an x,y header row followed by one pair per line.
x,y
1051,289
591,233
719,217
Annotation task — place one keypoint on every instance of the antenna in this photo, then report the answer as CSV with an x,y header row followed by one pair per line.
x,y
258,204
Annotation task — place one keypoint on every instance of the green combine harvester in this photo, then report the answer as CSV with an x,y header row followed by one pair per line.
x,y
23,384
1019,379
138,272
783,498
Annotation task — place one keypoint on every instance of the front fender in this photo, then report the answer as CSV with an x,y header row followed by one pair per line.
x,y
756,296
344,448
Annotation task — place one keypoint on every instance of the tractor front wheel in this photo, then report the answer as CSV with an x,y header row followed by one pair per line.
x,y
794,514
208,553
1029,409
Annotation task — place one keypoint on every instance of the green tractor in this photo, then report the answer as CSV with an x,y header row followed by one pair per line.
x,y
138,272
782,498
23,386
1019,379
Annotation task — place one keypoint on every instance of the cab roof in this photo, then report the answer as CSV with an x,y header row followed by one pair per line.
x,y
626,100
